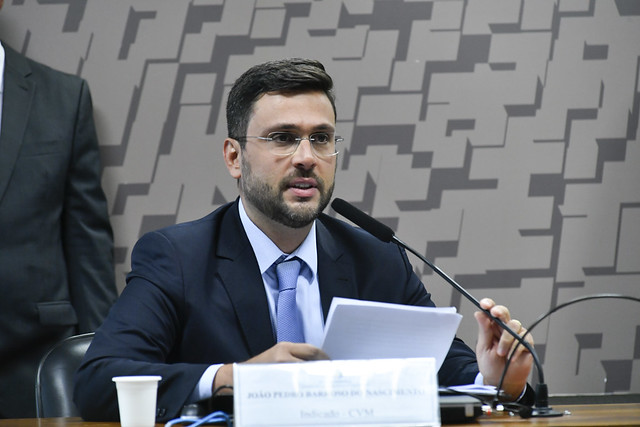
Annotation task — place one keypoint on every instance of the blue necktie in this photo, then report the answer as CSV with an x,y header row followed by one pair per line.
x,y
288,326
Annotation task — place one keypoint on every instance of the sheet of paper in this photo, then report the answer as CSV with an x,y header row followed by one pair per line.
x,y
357,329
477,389
373,392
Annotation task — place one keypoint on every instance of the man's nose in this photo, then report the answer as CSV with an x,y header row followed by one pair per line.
x,y
304,154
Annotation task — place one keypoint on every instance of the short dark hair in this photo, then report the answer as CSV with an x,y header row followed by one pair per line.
x,y
294,75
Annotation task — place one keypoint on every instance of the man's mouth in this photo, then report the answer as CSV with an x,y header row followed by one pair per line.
x,y
303,187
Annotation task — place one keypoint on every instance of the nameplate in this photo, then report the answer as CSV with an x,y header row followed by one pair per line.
x,y
375,392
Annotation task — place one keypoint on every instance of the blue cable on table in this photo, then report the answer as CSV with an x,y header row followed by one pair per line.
x,y
214,417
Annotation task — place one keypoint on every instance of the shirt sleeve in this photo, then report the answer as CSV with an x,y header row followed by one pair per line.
x,y
204,387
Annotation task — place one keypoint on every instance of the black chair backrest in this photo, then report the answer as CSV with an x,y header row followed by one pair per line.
x,y
54,381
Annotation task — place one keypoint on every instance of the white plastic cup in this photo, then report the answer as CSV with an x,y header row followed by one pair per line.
x,y
137,397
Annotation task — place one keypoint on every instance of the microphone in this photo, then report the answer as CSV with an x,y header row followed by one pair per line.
x,y
386,234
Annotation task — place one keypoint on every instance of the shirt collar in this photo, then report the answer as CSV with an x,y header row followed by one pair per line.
x,y
267,252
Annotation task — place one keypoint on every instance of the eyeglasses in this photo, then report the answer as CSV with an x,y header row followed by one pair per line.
x,y
286,143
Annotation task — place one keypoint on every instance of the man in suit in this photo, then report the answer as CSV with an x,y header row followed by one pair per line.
x,y
56,244
204,294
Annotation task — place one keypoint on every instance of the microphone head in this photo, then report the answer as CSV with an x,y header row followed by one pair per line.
x,y
362,220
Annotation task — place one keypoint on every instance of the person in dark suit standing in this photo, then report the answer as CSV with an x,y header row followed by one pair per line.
x,y
204,294
56,243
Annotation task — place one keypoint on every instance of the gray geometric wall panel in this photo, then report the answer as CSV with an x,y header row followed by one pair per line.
x,y
498,138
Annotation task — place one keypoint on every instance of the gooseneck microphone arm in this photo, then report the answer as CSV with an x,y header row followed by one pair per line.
x,y
563,305
386,234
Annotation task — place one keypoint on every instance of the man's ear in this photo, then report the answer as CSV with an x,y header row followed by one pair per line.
x,y
231,152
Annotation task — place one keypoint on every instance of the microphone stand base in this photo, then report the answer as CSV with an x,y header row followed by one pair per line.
x,y
545,412
542,408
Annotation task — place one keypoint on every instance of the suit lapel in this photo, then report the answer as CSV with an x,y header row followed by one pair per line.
x,y
240,274
335,272
16,105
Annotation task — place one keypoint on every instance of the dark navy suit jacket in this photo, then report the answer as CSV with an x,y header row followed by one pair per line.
x,y
195,297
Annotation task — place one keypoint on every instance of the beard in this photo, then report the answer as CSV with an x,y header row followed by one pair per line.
x,y
270,200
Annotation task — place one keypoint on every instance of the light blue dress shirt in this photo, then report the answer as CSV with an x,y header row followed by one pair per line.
x,y
307,291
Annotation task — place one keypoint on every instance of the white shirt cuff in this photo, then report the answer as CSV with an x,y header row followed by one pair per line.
x,y
204,388
479,379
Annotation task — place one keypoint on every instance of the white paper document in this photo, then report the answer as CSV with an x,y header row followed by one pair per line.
x,y
357,329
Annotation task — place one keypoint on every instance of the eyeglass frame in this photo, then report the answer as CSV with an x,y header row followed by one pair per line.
x,y
298,139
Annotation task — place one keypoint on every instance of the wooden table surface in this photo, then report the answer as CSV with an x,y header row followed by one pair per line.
x,y
618,414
